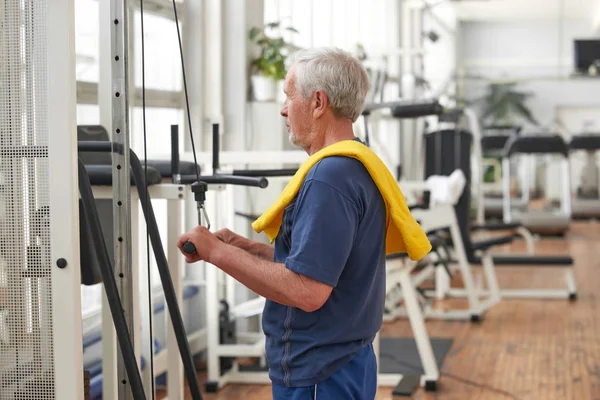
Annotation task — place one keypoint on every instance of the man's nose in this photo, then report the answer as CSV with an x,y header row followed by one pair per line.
x,y
284,110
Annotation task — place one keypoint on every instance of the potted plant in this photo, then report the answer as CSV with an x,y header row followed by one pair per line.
x,y
269,68
503,105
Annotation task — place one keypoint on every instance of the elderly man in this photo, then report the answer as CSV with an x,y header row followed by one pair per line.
x,y
324,278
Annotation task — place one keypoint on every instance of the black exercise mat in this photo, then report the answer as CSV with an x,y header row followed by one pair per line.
x,y
399,355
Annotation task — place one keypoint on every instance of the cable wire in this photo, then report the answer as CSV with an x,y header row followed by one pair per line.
x,y
451,376
147,200
187,103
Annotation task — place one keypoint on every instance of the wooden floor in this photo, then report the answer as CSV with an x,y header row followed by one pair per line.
x,y
530,349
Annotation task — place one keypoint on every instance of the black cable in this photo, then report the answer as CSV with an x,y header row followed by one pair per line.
x,y
451,376
147,199
187,103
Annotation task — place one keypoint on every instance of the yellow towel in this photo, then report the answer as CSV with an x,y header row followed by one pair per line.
x,y
404,234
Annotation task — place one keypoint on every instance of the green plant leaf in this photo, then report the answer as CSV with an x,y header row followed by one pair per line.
x,y
254,32
526,113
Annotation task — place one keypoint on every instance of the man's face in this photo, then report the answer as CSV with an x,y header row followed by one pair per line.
x,y
296,112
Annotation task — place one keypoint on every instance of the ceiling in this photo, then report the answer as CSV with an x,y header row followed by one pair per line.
x,y
482,10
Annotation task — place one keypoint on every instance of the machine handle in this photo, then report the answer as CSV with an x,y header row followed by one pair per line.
x,y
189,248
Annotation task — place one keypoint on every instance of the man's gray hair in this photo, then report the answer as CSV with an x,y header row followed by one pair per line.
x,y
338,73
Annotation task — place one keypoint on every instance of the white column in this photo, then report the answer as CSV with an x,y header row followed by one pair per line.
x,y
64,196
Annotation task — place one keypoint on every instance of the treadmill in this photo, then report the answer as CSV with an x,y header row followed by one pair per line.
x,y
492,146
544,221
585,207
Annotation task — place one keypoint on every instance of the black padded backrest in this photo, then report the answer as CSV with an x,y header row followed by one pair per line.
x,y
494,142
537,144
585,142
164,167
93,133
446,151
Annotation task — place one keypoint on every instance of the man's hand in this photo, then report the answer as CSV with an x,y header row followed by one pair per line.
x,y
229,237
207,245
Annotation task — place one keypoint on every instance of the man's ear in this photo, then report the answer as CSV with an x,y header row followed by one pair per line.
x,y
321,103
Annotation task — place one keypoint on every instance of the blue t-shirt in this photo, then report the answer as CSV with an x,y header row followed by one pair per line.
x,y
333,232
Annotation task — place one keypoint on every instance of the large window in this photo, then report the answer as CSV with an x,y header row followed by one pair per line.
x,y
161,53
158,129
340,23
88,114
87,40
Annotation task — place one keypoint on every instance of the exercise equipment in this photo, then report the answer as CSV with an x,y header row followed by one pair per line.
x,y
586,202
492,147
450,149
538,221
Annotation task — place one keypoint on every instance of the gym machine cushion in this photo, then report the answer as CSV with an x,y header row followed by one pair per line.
x,y
164,167
486,244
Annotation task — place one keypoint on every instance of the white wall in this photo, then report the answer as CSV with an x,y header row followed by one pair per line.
x,y
521,48
440,57
540,56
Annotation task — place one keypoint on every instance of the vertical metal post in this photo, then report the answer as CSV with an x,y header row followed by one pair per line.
x,y
121,174
175,375
105,95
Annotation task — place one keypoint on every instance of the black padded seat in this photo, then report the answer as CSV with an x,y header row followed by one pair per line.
x,y
164,167
486,244
101,175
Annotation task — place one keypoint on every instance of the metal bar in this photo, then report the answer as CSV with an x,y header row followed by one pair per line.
x,y
227,179
175,261
265,172
119,12
132,378
165,277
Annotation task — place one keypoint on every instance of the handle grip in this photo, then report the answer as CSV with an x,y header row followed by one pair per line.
x,y
189,248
